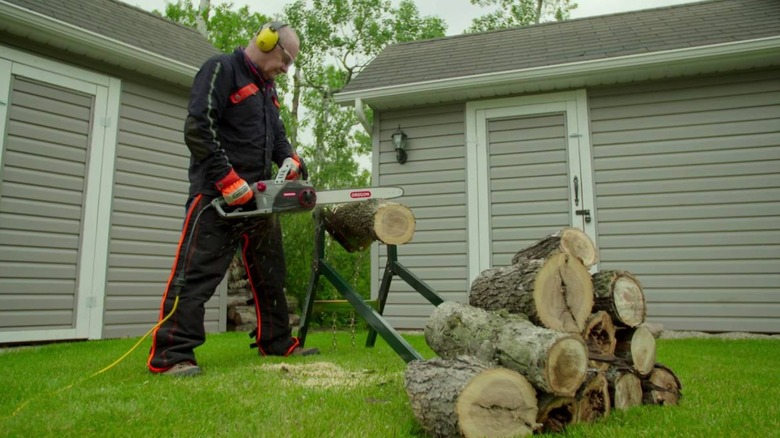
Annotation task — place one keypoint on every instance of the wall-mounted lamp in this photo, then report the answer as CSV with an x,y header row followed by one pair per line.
x,y
399,142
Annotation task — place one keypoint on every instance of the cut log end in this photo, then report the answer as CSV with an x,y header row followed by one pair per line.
x,y
563,292
599,335
556,413
497,402
643,350
662,387
568,240
394,224
577,243
620,294
592,398
626,392
566,366
636,347
629,301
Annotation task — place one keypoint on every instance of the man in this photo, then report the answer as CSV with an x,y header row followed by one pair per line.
x,y
234,134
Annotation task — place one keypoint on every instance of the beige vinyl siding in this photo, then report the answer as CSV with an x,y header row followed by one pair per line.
x,y
41,205
150,190
687,176
434,183
528,176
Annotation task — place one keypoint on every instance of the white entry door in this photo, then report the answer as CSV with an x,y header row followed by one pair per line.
x,y
56,141
530,173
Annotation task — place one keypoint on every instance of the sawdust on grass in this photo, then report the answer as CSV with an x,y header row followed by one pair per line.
x,y
325,375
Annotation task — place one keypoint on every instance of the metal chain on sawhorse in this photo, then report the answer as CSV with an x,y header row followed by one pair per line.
x,y
334,343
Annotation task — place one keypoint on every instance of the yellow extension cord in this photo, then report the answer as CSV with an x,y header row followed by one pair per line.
x,y
115,363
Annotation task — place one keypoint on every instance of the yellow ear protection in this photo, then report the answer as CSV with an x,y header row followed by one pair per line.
x,y
268,36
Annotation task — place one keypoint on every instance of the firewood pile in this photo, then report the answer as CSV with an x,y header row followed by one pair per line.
x,y
542,344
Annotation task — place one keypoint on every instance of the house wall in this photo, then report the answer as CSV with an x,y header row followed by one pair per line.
x,y
92,192
687,184
150,189
434,183
687,177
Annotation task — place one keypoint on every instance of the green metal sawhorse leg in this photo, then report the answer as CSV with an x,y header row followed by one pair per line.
x,y
374,319
394,267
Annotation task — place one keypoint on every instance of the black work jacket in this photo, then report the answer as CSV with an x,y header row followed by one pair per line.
x,y
233,122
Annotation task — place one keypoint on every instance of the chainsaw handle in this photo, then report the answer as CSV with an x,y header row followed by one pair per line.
x,y
219,204
281,175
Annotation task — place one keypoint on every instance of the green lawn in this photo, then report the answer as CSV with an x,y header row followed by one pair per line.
x,y
730,388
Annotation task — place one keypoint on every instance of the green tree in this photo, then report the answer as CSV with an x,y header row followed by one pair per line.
x,y
226,28
515,13
338,38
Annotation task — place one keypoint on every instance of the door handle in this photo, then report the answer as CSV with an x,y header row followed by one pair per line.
x,y
585,213
576,191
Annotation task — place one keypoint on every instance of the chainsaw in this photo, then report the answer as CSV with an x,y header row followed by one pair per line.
x,y
282,196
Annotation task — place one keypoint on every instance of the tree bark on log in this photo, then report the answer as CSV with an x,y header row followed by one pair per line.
x,y
556,292
599,336
637,347
620,294
555,412
467,397
356,225
625,388
661,387
552,361
592,399
568,240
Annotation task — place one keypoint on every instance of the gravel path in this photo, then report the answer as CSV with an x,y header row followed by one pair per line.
x,y
680,334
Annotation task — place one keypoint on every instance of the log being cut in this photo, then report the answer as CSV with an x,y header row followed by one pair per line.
x,y
468,397
556,292
552,361
357,225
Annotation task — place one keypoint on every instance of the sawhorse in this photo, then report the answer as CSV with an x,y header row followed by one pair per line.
x,y
376,322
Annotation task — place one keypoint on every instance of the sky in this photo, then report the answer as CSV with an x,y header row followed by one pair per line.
x,y
457,13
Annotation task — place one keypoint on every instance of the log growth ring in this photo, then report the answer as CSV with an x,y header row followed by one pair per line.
x,y
563,291
496,403
394,226
567,365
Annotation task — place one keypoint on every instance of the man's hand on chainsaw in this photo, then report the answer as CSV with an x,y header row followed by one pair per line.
x,y
234,189
297,168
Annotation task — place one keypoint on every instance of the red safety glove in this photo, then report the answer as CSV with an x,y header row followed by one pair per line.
x,y
234,190
297,168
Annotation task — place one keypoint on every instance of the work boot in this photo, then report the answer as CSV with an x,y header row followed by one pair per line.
x,y
182,369
302,351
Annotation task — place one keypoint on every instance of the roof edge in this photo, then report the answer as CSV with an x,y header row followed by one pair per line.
x,y
714,51
62,35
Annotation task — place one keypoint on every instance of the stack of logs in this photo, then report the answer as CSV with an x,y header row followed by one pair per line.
x,y
541,345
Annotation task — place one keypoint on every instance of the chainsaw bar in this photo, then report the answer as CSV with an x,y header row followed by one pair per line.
x,y
341,196
296,197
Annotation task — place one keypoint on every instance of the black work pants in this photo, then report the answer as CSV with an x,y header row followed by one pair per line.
x,y
213,241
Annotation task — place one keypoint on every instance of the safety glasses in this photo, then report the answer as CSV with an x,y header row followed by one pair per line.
x,y
287,59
